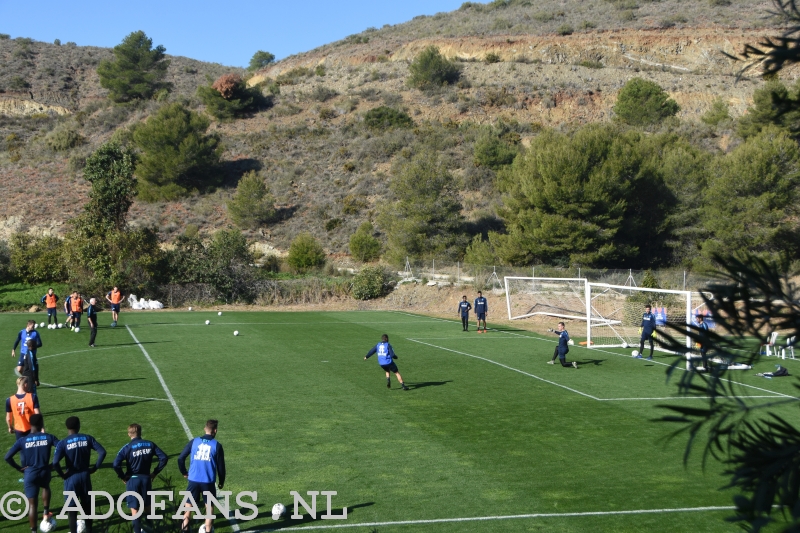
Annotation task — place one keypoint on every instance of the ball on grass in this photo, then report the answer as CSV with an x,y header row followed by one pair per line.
x,y
47,525
190,309
278,510
60,326
208,322
635,353
77,330
235,333
41,325
219,314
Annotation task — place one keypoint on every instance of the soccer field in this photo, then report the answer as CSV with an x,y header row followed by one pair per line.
x,y
488,438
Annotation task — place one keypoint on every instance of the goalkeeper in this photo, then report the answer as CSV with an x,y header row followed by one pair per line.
x,y
646,331
562,349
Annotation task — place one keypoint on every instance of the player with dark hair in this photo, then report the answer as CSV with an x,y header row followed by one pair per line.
x,y
646,330
34,450
702,343
20,408
76,450
76,307
464,308
68,310
138,454
50,301
115,298
91,318
207,462
386,357
24,336
562,349
481,310
28,365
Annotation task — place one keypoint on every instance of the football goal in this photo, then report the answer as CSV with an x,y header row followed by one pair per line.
x,y
554,297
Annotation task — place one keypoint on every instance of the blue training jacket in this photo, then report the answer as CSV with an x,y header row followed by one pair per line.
x,y
384,351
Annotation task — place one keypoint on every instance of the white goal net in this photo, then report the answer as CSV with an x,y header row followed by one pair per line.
x,y
554,297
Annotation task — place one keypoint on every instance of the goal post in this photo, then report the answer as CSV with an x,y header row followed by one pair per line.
x,y
528,297
615,314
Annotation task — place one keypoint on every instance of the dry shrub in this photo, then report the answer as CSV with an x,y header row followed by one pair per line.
x,y
227,85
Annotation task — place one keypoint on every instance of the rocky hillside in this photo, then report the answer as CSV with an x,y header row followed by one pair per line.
x,y
554,63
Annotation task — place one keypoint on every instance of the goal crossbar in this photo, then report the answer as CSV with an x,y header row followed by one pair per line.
x,y
580,294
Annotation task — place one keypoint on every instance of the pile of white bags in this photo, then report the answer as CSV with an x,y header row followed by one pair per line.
x,y
144,304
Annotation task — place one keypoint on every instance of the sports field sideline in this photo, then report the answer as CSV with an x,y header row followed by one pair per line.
x,y
488,438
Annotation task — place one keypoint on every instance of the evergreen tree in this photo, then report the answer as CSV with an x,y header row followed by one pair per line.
x,y
773,104
252,204
260,60
643,102
137,70
110,170
363,245
305,253
431,69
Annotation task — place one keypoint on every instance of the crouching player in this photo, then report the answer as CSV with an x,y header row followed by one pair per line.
x,y
34,450
386,359
138,454
562,349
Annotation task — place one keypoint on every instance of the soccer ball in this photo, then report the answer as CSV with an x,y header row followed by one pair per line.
x,y
624,344
81,526
77,330
635,353
571,342
278,510
60,326
41,325
35,325
203,529
235,333
219,314
190,309
47,525
208,322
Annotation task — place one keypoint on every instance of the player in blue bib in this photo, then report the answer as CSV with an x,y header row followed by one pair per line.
x,y
206,464
386,359
464,308
562,348
647,329
481,309
76,450
34,450
139,455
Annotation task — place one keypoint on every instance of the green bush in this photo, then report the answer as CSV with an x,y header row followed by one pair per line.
x,y
492,57
774,103
177,157
384,118
305,253
431,69
363,244
18,83
565,29
61,140
260,60
37,259
321,93
642,102
370,282
237,100
492,152
717,113
5,262
252,205
137,70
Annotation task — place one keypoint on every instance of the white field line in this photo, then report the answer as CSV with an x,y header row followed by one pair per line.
x,y
82,351
502,517
309,323
234,525
102,393
508,368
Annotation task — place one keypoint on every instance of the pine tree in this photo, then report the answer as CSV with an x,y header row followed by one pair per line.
x,y
136,72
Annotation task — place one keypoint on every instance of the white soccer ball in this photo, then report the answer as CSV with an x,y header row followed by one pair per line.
x,y
41,325
571,342
278,510
190,309
81,526
235,333
47,525
208,322
219,314
60,326
35,325
77,330
635,353
203,529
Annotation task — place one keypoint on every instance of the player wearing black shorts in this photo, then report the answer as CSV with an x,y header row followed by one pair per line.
x,y
76,451
138,454
34,450
207,467
481,309
386,357
463,309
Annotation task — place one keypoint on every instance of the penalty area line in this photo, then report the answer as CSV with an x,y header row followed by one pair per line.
x,y
505,517
51,386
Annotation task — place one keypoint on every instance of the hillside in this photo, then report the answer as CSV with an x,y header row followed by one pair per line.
x,y
327,172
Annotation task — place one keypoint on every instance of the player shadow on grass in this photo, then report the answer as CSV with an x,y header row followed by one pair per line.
x,y
100,407
286,521
98,382
412,385
595,362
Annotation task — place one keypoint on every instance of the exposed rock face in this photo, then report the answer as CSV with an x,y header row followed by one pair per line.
x,y
23,107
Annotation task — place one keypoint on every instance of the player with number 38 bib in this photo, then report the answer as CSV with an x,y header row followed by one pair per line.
x,y
206,463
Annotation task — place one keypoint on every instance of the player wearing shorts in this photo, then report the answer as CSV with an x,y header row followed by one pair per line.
x,y
207,462
20,408
647,329
386,359
562,349
464,308
50,301
68,311
76,307
138,454
481,310
76,451
115,298
34,451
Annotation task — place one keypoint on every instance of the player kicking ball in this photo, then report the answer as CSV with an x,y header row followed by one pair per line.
x,y
386,359
562,349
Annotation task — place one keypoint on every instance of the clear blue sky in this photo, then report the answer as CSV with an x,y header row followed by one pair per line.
x,y
219,31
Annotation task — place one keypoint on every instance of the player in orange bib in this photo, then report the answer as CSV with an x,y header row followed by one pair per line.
x,y
115,298
50,301
76,304
20,407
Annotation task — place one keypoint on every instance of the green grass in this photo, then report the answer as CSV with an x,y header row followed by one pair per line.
x,y
300,409
21,296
